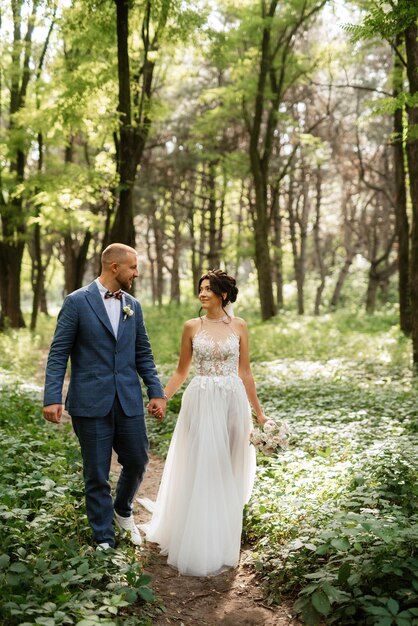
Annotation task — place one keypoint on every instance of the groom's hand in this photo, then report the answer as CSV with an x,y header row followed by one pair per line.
x,y
157,407
53,412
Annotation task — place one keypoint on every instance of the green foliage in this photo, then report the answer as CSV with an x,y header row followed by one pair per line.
x,y
384,19
48,574
342,524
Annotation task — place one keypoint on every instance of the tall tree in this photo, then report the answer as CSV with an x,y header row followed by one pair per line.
x,y
12,206
136,91
411,45
400,191
396,21
278,70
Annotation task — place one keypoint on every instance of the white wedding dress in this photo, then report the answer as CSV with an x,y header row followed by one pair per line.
x,y
210,466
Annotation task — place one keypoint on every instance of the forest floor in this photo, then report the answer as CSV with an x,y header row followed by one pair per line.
x,y
232,598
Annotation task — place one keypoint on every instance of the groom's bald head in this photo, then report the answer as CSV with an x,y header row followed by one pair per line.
x,y
116,253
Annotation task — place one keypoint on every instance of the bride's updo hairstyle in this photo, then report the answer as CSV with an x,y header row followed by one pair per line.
x,y
221,283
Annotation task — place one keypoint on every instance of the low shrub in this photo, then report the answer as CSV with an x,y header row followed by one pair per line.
x,y
335,516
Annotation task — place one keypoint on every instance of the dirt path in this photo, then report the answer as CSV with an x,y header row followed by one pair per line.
x,y
233,598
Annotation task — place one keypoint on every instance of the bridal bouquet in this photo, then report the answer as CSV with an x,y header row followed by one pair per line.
x,y
271,437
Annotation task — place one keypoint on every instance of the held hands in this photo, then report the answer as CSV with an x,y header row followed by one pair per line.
x,y
157,408
53,412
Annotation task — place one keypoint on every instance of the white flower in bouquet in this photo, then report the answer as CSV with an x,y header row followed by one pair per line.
x,y
271,437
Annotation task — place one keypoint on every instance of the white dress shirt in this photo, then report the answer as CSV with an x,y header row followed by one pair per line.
x,y
112,306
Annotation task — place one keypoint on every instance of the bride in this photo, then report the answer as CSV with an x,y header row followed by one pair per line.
x,y
210,467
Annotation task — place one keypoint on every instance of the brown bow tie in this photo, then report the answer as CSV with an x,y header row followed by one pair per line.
x,y
116,294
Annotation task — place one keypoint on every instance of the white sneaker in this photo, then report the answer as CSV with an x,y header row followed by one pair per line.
x,y
103,546
127,526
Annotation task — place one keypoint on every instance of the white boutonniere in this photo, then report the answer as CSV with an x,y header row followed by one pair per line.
x,y
127,311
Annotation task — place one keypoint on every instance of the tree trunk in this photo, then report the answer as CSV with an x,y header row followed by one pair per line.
x,y
341,279
277,248
134,126
213,255
262,238
317,243
303,225
11,265
37,266
175,267
411,43
402,225
158,227
292,223
372,287
13,220
220,235
378,278
240,219
151,259
123,227
37,275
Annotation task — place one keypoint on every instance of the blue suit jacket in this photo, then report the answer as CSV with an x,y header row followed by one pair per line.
x,y
101,364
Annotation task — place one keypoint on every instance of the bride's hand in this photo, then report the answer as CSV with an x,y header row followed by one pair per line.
x,y
262,419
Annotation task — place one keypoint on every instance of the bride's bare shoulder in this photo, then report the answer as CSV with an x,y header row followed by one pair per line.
x,y
239,322
193,324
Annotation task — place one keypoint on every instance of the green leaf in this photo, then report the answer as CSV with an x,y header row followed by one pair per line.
x,y
93,621
19,568
378,610
343,573
83,568
342,544
393,606
45,621
41,565
4,561
130,595
13,580
310,616
144,579
146,594
320,601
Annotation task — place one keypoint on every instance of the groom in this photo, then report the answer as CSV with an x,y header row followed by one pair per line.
x,y
101,329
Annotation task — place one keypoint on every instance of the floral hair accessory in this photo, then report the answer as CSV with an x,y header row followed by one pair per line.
x,y
128,311
271,437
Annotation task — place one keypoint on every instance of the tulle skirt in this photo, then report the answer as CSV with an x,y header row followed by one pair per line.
x,y
207,479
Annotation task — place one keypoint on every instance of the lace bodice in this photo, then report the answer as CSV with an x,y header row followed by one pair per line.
x,y
215,350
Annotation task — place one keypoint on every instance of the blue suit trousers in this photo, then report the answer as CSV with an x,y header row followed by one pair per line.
x,y
127,435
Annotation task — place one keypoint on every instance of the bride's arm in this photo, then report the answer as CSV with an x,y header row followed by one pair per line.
x,y
183,367
245,373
